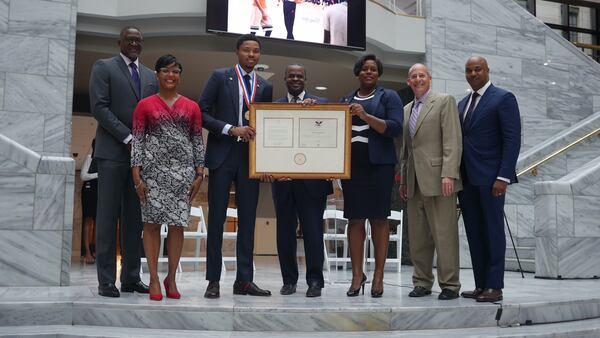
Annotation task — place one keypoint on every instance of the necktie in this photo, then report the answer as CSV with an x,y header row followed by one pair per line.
x,y
414,116
247,83
469,113
295,99
135,77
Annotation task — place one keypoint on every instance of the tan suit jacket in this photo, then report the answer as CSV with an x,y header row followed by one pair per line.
x,y
435,150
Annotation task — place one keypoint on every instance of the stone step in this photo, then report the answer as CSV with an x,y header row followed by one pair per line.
x,y
511,264
581,328
525,241
524,252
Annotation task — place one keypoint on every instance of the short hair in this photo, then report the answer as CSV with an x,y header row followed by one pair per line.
x,y
247,37
166,60
294,65
361,62
126,28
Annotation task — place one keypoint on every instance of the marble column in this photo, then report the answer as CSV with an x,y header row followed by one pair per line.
x,y
36,171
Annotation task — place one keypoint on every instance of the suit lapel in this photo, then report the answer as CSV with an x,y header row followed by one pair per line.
x,y
377,100
125,69
231,81
424,111
479,111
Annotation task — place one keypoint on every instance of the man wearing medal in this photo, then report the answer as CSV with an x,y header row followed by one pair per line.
x,y
224,103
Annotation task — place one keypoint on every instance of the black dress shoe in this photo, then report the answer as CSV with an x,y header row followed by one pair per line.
x,y
288,289
314,290
212,290
419,291
447,294
108,290
249,288
138,287
472,294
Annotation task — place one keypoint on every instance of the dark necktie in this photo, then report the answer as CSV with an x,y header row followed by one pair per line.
x,y
295,99
135,77
249,91
469,114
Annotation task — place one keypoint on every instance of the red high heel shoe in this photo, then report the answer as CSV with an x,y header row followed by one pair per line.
x,y
174,295
158,296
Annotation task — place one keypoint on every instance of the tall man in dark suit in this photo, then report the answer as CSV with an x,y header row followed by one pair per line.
x,y
116,86
491,127
300,199
224,102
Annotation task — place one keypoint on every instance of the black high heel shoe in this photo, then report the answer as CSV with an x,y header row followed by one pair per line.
x,y
376,293
354,292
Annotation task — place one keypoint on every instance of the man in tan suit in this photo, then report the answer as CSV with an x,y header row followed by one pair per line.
x,y
430,178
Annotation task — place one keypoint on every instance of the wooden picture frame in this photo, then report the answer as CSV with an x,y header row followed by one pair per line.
x,y
295,141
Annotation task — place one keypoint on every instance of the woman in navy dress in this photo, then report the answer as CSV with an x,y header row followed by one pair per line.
x,y
377,115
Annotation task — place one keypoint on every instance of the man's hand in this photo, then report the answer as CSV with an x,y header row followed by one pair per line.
x,y
246,133
447,186
308,102
499,188
267,178
403,192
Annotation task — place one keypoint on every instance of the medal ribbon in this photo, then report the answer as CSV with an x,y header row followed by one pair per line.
x,y
248,96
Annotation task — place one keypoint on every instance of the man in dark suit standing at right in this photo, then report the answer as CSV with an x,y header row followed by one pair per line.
x,y
302,200
116,86
491,126
224,102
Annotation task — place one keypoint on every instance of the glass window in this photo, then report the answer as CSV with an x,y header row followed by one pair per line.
x,y
582,17
549,12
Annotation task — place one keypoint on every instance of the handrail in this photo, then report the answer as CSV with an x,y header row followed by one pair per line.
x,y
586,45
533,168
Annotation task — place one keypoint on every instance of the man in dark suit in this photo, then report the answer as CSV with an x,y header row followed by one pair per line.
x,y
224,103
491,127
300,199
116,86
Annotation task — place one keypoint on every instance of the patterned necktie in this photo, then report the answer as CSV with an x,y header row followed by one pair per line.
x,y
414,116
469,113
295,99
135,77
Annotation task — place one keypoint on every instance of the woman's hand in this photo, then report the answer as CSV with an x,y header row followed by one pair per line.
x,y
358,110
142,191
195,187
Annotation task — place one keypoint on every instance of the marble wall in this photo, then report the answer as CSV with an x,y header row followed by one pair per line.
x,y
37,38
567,230
556,85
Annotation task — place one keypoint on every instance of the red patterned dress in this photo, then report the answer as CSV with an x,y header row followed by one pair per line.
x,y
167,146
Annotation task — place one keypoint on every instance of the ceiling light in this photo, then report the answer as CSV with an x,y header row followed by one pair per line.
x,y
321,88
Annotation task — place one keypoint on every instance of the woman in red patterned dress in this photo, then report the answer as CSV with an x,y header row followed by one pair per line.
x,y
167,161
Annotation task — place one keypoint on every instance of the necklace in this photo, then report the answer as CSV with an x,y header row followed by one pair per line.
x,y
371,93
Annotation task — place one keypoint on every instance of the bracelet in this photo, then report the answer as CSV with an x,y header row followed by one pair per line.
x,y
201,175
135,186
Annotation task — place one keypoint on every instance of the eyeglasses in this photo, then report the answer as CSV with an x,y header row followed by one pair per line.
x,y
170,71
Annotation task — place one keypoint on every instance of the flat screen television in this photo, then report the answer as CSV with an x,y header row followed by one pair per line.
x,y
336,23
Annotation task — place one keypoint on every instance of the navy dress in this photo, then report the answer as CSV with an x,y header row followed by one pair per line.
x,y
369,191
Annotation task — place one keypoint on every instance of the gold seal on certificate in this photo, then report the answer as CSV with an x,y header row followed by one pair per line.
x,y
247,115
299,158
310,142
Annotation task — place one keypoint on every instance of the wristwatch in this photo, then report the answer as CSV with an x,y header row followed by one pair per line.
x,y
230,131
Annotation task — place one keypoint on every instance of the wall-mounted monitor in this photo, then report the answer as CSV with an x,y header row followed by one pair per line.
x,y
337,23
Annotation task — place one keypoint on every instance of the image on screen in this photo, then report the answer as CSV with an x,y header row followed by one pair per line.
x,y
318,21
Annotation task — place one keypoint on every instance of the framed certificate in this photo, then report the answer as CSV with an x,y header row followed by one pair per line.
x,y
300,142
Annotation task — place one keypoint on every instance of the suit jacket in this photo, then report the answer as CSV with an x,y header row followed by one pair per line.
x,y
435,150
492,141
317,188
219,103
387,106
113,100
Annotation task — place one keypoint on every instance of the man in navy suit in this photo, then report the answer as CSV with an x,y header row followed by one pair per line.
x,y
224,103
300,199
491,126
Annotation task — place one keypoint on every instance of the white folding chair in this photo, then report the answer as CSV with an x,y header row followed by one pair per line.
x,y
337,215
397,237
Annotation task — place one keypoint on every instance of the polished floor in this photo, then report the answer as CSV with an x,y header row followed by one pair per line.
x,y
531,308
